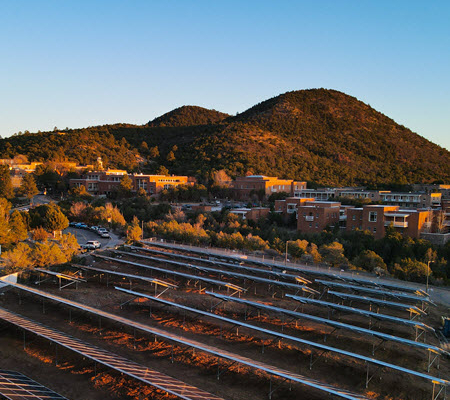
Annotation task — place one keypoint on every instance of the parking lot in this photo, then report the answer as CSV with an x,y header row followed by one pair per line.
x,y
84,235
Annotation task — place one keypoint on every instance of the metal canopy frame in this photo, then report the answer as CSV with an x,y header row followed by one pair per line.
x,y
319,347
235,275
413,310
111,360
228,265
379,292
16,386
391,286
334,324
157,282
369,314
231,357
72,279
297,269
195,278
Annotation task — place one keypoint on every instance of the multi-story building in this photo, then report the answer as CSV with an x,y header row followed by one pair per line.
x,y
316,194
315,216
354,193
290,205
254,213
259,185
412,199
433,188
375,218
108,182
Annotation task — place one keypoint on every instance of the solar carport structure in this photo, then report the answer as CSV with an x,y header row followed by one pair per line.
x,y
281,374
413,310
268,272
16,386
296,269
378,292
369,314
111,360
436,351
213,282
245,277
318,346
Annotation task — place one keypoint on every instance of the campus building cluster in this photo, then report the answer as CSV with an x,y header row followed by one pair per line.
x,y
109,181
19,168
417,214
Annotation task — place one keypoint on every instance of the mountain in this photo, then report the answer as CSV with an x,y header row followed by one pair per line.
x,y
318,135
188,116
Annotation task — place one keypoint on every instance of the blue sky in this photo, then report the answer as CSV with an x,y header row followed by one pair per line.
x,y
83,63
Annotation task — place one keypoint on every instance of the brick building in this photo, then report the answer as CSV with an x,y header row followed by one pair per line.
x,y
412,199
263,186
375,218
108,182
254,213
315,216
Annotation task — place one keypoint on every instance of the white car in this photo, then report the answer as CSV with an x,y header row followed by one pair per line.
x,y
92,245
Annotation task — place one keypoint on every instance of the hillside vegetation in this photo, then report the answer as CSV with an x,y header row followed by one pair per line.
x,y
318,135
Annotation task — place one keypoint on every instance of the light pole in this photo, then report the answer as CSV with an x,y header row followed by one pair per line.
x,y
285,258
428,273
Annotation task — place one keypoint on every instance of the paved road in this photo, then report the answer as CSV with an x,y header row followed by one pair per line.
x,y
84,235
38,200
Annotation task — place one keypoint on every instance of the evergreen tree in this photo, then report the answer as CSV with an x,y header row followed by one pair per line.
x,y
28,187
171,156
17,226
126,185
55,220
6,187
5,232
18,259
154,152
134,231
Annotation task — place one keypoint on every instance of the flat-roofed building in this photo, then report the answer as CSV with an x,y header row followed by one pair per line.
x,y
254,213
375,219
372,195
433,188
316,194
289,205
107,182
245,187
315,216
412,199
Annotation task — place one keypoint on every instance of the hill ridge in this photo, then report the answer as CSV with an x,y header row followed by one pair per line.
x,y
318,135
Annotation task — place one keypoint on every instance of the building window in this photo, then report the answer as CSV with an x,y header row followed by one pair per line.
x,y
317,225
310,224
374,229
354,217
372,216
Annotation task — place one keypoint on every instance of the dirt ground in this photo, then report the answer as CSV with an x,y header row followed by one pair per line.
x,y
79,379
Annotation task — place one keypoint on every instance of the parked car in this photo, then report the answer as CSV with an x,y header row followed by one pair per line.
x,y
73,224
94,228
100,230
92,245
104,235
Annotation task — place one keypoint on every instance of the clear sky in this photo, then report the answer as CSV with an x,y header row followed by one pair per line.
x,y
83,63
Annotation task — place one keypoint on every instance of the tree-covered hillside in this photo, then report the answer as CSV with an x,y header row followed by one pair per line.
x,y
318,135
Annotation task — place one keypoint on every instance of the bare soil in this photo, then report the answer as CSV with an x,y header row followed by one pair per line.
x,y
78,379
